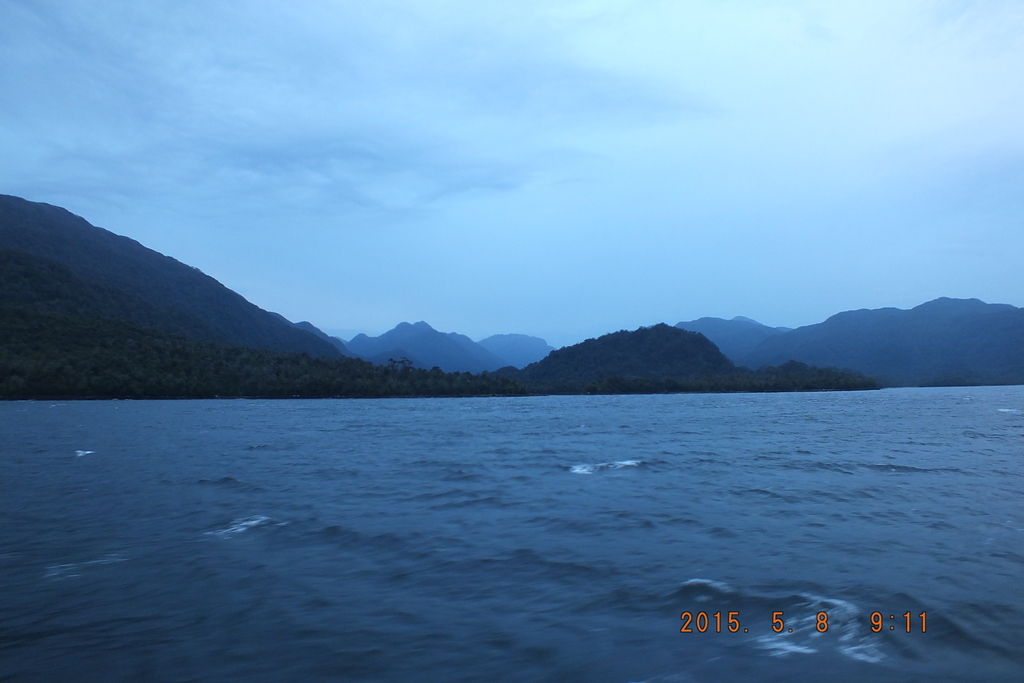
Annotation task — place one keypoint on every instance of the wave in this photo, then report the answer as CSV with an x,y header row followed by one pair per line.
x,y
800,615
615,465
73,569
241,525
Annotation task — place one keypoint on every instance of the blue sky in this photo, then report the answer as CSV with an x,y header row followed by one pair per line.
x,y
561,169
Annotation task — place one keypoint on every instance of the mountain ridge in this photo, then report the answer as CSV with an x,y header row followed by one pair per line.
x,y
155,289
519,350
735,337
427,348
940,342
664,359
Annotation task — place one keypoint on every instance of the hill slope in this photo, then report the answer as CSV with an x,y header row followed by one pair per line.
x,y
124,280
945,341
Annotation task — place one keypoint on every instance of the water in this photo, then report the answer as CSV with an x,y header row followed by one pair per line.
x,y
518,539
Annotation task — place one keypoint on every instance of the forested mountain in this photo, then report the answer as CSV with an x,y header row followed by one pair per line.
x,y
663,359
52,355
101,326
118,278
426,348
86,311
942,342
736,337
517,350
656,352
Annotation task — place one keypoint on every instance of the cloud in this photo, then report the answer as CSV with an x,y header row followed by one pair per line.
x,y
394,109
507,161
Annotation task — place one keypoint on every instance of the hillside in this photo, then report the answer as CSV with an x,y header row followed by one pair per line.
x,y
942,342
118,278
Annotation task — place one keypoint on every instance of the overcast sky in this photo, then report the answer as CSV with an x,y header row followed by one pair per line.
x,y
556,168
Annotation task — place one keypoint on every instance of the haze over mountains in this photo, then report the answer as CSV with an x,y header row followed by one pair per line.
x,y
53,263
941,342
736,337
58,261
425,347
519,350
945,341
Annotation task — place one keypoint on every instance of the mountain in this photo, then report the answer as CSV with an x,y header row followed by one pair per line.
x,y
656,352
736,337
334,341
942,342
663,359
518,350
426,348
48,354
56,261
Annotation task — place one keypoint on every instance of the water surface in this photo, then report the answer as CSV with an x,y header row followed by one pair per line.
x,y
519,539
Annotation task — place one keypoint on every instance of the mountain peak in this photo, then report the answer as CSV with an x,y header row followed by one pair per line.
x,y
451,352
656,352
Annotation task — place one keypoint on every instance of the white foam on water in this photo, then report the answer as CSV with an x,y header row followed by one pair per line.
x,y
853,641
79,454
617,464
707,583
108,559
778,646
240,525
865,652
1008,410
61,571
842,618
72,570
710,583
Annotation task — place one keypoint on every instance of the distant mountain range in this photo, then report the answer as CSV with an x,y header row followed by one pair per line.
x,y
53,261
942,342
56,261
425,347
518,350
87,314
736,337
666,359
59,275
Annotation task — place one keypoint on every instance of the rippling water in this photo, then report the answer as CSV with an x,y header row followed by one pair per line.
x,y
520,539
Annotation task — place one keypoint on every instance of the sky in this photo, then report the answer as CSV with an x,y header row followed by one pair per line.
x,y
555,168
